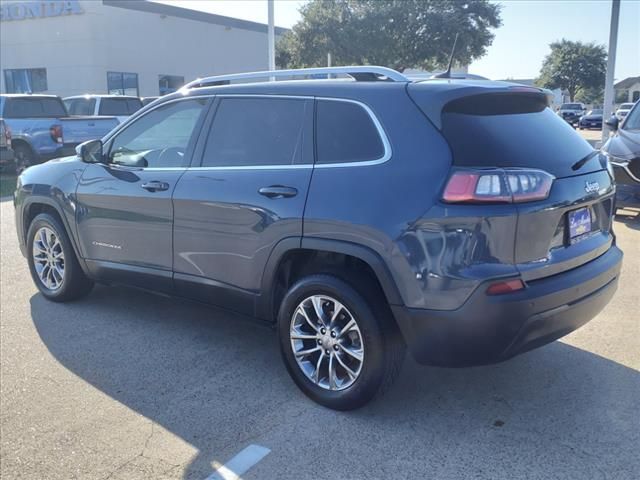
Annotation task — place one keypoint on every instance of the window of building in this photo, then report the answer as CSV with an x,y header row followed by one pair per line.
x,y
25,80
346,133
160,138
258,131
121,83
169,83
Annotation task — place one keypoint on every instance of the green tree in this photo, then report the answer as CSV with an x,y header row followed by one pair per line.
x,y
399,34
574,67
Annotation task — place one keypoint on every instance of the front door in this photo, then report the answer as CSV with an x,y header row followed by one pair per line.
x,y
124,208
247,194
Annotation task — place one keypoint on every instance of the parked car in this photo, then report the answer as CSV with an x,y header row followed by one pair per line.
x,y
623,150
593,119
119,106
462,219
147,100
623,110
6,152
41,129
571,112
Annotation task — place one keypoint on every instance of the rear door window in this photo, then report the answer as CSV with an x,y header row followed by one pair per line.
x,y
346,133
251,132
42,107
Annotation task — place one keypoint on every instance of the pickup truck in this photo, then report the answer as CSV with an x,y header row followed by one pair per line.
x,y
41,128
119,106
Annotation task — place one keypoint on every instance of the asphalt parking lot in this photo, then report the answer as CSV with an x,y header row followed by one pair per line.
x,y
128,385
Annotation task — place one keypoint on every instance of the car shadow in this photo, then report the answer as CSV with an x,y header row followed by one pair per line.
x,y
218,382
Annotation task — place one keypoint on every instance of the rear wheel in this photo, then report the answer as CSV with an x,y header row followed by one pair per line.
x,y
24,158
52,261
340,347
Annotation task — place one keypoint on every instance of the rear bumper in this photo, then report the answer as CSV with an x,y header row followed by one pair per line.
x,y
489,329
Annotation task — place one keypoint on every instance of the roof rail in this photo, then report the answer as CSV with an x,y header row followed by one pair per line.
x,y
358,73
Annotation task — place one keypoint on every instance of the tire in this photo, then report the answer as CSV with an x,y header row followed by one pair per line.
x,y
72,283
383,349
24,158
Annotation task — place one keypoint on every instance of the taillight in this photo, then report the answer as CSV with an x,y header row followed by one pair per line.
x,y
56,133
499,185
500,288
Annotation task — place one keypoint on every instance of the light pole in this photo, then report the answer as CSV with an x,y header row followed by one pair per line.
x,y
271,34
611,66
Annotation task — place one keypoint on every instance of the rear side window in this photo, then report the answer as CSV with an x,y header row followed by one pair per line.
x,y
80,106
250,132
119,106
345,133
43,107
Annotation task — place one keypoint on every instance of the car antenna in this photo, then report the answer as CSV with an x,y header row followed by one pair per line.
x,y
447,74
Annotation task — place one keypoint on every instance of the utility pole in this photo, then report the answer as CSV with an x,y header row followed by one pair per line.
x,y
611,66
271,34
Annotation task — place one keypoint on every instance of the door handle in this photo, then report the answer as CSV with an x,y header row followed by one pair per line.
x,y
155,186
278,191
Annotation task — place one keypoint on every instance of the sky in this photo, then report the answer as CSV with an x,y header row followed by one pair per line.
x,y
520,45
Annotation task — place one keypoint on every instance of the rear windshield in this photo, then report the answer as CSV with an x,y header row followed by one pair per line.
x,y
119,106
80,106
571,106
34,107
626,106
511,131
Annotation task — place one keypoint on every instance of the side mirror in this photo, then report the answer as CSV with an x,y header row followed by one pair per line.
x,y
612,123
91,151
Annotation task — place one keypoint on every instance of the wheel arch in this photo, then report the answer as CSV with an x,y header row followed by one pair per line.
x,y
33,206
266,306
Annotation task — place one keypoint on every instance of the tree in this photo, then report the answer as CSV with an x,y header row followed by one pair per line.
x,y
574,67
399,34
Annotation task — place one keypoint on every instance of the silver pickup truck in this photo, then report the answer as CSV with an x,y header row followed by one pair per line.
x,y
41,128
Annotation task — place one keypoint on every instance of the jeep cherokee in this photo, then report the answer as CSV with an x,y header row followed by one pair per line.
x,y
361,215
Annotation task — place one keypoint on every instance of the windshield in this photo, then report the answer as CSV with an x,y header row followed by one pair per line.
x,y
632,121
571,106
626,106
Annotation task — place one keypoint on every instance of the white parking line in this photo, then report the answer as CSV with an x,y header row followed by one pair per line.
x,y
240,464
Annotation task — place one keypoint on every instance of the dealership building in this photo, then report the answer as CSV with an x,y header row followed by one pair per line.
x,y
132,47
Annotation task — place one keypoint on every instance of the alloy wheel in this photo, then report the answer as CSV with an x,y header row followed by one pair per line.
x,y
48,258
326,342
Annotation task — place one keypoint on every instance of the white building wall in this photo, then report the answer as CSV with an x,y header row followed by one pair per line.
x,y
79,50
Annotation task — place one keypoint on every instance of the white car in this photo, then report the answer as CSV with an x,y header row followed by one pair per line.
x,y
120,106
623,110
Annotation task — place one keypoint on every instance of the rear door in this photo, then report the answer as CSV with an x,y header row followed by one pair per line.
x,y
247,194
124,210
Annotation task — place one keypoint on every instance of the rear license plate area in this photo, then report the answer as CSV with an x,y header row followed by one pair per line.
x,y
579,223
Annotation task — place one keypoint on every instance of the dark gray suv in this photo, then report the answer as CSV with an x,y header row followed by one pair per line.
x,y
360,215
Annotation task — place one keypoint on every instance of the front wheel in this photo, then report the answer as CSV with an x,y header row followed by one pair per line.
x,y
52,261
340,347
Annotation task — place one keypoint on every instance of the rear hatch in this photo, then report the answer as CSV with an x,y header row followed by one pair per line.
x,y
507,128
